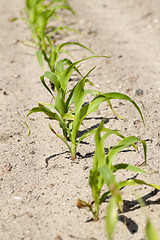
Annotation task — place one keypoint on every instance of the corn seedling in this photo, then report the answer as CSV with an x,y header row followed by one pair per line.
x,y
50,53
69,108
102,172
38,14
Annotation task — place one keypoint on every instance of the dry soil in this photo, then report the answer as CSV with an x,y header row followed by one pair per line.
x,y
39,183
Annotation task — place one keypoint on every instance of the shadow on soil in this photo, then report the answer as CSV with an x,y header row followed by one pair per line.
x,y
53,156
134,205
80,133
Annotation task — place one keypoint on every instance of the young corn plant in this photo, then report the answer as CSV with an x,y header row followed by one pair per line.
x,y
50,52
38,14
69,109
102,172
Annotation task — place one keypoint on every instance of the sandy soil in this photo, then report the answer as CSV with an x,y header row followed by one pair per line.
x,y
38,200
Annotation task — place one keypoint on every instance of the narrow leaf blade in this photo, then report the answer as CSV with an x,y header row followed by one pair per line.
x,y
40,59
111,217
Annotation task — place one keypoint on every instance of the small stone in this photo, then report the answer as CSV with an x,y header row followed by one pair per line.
x,y
92,30
29,214
15,41
155,20
17,198
136,121
5,93
7,167
85,167
140,161
139,92
133,78
17,75
58,237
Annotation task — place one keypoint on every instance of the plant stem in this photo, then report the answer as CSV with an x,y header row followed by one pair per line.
x,y
96,213
73,150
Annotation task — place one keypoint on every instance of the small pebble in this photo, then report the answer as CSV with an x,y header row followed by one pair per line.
x,y
29,214
85,167
15,41
5,93
92,30
7,167
58,237
155,20
139,92
17,198
17,75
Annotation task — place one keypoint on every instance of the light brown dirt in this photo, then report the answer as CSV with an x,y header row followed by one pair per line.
x,y
38,201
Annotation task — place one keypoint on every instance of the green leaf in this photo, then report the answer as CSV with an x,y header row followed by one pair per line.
x,y
108,132
59,104
111,217
99,152
78,94
50,31
87,134
50,114
30,43
117,95
112,184
68,116
92,92
74,43
123,144
78,98
69,62
119,116
53,78
13,19
127,167
47,104
61,137
134,182
68,71
109,96
94,184
59,70
94,104
45,85
40,59
150,231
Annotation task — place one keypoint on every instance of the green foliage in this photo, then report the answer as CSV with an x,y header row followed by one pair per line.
x,y
150,231
103,170
50,53
38,14
69,108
